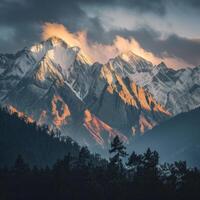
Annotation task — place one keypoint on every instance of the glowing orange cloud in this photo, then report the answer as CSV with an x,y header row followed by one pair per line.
x,y
100,52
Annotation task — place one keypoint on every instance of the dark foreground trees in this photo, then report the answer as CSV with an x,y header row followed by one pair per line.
x,y
89,176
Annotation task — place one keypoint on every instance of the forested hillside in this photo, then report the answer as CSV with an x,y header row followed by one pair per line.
x,y
38,145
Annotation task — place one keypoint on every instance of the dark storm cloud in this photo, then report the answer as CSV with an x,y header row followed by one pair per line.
x,y
150,40
192,3
15,12
174,46
25,18
155,6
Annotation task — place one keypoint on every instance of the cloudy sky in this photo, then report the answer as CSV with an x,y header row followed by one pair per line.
x,y
166,29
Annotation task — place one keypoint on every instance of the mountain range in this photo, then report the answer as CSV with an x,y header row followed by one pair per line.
x,y
56,84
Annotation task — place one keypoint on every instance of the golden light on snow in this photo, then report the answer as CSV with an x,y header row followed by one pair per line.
x,y
96,51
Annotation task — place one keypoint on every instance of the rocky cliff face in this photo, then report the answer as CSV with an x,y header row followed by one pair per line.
x,y
122,103
176,90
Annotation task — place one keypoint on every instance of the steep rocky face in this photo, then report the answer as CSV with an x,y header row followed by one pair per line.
x,y
96,127
176,90
122,104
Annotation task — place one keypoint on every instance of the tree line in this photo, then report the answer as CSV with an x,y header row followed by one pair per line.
x,y
88,176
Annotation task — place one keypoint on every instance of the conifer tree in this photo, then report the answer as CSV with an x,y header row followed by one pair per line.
x,y
84,157
119,151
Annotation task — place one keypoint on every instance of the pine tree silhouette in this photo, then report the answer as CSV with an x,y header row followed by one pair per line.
x,y
84,157
119,151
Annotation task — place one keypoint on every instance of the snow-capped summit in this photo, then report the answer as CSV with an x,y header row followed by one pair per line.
x,y
128,63
46,60
176,90
136,61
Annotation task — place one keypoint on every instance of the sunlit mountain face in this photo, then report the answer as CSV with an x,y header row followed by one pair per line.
x,y
98,69
54,83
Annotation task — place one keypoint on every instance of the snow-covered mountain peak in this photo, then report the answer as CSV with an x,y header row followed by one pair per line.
x,y
56,41
62,57
128,64
129,56
134,59
57,49
81,57
40,49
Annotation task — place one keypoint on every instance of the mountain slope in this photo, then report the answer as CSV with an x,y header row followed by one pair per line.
x,y
177,90
123,104
174,139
